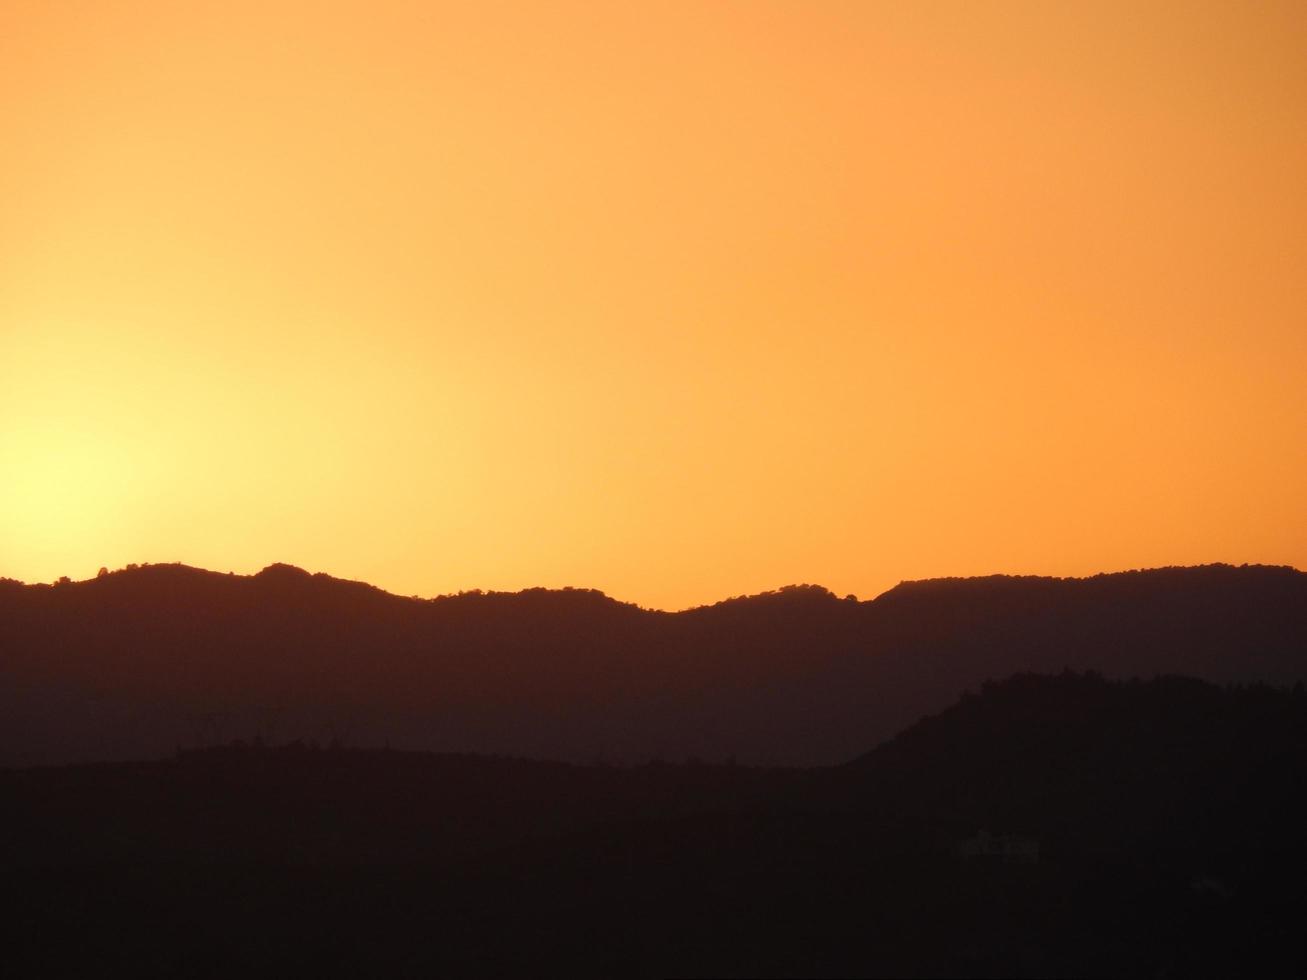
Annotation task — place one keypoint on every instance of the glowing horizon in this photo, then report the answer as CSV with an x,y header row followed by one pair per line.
x,y
678,301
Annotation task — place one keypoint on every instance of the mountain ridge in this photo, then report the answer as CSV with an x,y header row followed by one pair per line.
x,y
141,661
284,571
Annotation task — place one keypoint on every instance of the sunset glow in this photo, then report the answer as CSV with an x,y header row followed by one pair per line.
x,y
673,300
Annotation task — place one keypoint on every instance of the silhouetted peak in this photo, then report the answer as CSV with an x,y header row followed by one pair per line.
x,y
154,572
1032,714
280,578
283,572
538,599
1179,575
786,595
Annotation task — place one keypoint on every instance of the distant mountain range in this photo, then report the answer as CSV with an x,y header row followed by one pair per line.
x,y
139,662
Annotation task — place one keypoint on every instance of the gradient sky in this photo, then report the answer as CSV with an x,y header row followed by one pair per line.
x,y
675,300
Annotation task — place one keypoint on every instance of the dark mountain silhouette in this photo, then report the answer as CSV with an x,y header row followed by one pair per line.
x,y
1157,824
135,663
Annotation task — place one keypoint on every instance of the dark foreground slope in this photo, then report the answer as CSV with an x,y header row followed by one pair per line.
x,y
136,663
1166,814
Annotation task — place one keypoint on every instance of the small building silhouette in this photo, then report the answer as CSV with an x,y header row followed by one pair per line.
x,y
1008,848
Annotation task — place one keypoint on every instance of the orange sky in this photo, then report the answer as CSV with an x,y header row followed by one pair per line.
x,y
675,300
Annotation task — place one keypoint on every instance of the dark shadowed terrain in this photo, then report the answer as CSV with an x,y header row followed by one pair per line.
x,y
1142,828
137,663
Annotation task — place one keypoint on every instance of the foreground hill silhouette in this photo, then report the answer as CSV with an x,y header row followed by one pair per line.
x,y
135,663
1166,815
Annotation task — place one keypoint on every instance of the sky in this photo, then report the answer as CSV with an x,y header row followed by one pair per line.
x,y
674,300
